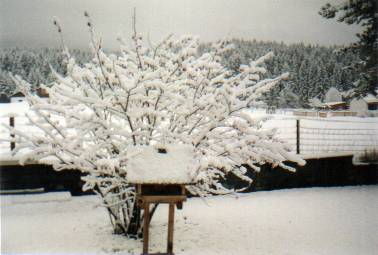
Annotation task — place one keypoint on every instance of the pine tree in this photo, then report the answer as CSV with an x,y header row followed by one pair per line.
x,y
364,13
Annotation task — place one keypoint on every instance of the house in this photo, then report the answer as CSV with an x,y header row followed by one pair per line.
x,y
364,105
372,102
4,98
17,97
20,97
333,100
335,106
42,92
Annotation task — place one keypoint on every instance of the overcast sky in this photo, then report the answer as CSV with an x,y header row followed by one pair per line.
x,y
28,23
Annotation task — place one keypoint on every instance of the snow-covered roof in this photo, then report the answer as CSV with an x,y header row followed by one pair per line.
x,y
148,166
334,103
370,99
15,109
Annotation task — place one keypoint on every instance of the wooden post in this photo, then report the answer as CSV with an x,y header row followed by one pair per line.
x,y
144,201
146,227
11,124
298,136
171,218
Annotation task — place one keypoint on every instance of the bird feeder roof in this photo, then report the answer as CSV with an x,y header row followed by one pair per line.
x,y
171,164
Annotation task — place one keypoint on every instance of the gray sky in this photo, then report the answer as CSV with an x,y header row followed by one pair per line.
x,y
28,23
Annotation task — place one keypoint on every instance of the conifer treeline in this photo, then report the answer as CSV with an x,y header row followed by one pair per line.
x,y
33,65
313,69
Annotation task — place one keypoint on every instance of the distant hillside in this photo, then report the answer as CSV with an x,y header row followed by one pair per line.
x,y
313,69
33,65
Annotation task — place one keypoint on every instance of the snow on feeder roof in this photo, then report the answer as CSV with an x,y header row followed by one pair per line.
x,y
171,164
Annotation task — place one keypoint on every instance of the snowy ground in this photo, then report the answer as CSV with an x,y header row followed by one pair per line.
x,y
297,221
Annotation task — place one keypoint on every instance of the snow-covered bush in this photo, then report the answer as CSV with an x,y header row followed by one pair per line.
x,y
366,157
152,96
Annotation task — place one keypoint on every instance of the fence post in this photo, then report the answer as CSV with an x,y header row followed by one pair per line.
x,y
11,124
298,136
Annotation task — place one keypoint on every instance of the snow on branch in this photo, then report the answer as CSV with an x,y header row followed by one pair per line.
x,y
147,96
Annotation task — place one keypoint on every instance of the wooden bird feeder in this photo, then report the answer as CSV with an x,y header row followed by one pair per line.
x,y
160,176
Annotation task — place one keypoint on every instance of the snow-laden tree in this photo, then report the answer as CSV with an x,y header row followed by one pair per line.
x,y
288,99
315,102
363,13
333,95
151,95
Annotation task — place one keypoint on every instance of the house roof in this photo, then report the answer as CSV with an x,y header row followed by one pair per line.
x,y
370,99
42,92
329,104
18,94
149,166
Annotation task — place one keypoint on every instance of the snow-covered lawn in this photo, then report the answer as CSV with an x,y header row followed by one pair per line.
x,y
298,221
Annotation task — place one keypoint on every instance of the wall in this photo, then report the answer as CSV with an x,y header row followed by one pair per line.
x,y
337,171
40,176
325,172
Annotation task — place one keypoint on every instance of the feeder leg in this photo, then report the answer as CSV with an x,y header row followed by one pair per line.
x,y
170,228
146,227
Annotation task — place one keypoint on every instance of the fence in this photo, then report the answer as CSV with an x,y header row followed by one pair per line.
x,y
324,114
316,136
7,143
338,137
6,146
305,136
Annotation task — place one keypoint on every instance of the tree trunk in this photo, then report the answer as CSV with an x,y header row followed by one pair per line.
x,y
134,228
